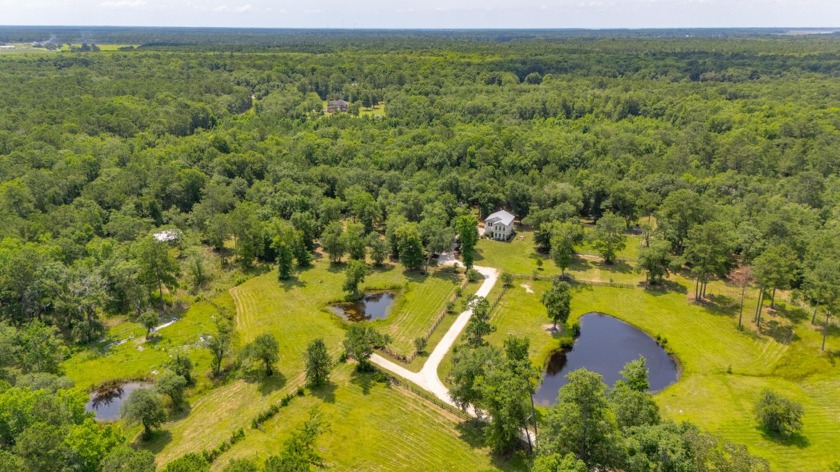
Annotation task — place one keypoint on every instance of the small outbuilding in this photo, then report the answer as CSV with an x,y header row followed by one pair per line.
x,y
499,225
337,105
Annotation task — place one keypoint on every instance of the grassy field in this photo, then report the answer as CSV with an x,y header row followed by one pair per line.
x,y
518,257
378,427
724,369
374,111
416,308
294,312
374,426
136,358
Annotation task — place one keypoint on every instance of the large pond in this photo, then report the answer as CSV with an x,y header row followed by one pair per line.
x,y
105,403
604,346
373,306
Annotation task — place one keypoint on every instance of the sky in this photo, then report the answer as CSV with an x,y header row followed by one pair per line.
x,y
425,13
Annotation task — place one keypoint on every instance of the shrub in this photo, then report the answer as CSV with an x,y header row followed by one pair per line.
x,y
566,343
507,279
473,275
420,345
576,329
778,414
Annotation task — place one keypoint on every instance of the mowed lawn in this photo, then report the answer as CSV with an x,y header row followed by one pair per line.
x,y
294,312
373,426
518,257
709,346
415,310
138,359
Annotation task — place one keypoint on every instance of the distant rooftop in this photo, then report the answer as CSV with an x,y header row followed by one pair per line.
x,y
168,235
500,216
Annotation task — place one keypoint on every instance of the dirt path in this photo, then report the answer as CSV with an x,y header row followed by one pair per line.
x,y
427,378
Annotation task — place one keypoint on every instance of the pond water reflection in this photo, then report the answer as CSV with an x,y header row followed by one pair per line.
x,y
373,306
604,346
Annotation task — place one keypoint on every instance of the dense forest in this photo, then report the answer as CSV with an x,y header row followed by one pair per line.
x,y
721,152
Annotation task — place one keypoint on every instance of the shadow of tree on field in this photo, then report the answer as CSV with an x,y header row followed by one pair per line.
x,y
270,384
293,282
472,432
336,267
254,270
793,313
156,443
781,332
477,255
363,380
580,264
665,287
180,412
719,305
266,384
619,265
795,440
326,392
381,269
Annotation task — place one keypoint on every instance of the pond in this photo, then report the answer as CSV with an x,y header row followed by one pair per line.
x,y
604,346
106,402
373,306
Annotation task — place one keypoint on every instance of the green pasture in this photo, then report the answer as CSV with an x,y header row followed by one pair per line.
x,y
723,369
375,426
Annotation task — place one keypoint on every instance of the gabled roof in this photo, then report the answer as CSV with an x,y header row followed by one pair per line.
x,y
500,216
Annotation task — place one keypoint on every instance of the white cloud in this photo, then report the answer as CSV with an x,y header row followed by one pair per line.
x,y
233,9
116,4
426,13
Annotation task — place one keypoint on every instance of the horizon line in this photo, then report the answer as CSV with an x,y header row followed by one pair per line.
x,y
488,28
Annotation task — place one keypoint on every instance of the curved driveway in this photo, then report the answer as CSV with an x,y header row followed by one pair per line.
x,y
427,378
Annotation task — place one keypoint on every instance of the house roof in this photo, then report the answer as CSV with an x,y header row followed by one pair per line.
x,y
338,102
500,216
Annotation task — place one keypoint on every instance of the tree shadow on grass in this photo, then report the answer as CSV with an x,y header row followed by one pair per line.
x,y
665,287
719,305
336,267
478,255
156,443
472,433
619,265
796,440
293,282
381,269
180,412
782,333
254,270
326,392
794,314
270,384
579,264
266,384
415,275
363,380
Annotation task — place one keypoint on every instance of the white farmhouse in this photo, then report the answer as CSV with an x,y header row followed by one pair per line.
x,y
499,226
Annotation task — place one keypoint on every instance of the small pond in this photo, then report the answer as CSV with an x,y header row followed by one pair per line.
x,y
373,306
604,346
105,403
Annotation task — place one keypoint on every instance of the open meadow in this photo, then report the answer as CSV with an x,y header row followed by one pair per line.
x,y
723,369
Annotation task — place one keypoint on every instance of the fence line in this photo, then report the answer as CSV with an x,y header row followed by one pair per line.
x,y
572,280
396,380
438,319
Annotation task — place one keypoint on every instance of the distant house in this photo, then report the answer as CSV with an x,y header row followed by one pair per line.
x,y
167,235
499,225
336,105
